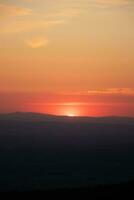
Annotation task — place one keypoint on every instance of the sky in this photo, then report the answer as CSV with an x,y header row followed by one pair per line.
x,y
67,57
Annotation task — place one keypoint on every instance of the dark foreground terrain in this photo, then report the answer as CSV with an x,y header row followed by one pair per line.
x,y
51,155
114,191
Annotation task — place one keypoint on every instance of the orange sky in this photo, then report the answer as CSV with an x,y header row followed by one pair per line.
x,y
67,56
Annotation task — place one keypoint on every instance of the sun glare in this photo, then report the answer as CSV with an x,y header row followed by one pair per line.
x,y
70,110
71,115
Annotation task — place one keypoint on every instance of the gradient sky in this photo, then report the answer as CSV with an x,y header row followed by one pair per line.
x,y
67,56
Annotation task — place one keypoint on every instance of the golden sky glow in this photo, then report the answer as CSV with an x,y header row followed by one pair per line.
x,y
67,56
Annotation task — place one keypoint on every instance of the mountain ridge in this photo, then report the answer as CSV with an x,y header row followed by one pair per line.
x,y
33,116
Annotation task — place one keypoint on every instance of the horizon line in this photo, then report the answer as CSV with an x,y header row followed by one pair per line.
x,y
59,115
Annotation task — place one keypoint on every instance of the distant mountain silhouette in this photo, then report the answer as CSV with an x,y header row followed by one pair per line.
x,y
40,117
26,116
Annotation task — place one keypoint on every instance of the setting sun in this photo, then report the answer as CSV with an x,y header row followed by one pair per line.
x,y
70,115
70,111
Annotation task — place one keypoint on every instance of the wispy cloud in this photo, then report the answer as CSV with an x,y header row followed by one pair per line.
x,y
28,25
38,20
11,10
37,42
103,92
110,91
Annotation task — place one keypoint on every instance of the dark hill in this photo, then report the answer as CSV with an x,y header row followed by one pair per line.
x,y
42,152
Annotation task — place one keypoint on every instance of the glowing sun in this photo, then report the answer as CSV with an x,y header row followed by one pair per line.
x,y
71,115
70,111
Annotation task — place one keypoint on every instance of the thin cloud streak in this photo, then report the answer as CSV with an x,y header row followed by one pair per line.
x,y
109,91
27,26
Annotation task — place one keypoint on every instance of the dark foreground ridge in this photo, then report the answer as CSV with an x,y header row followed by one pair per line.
x,y
73,153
